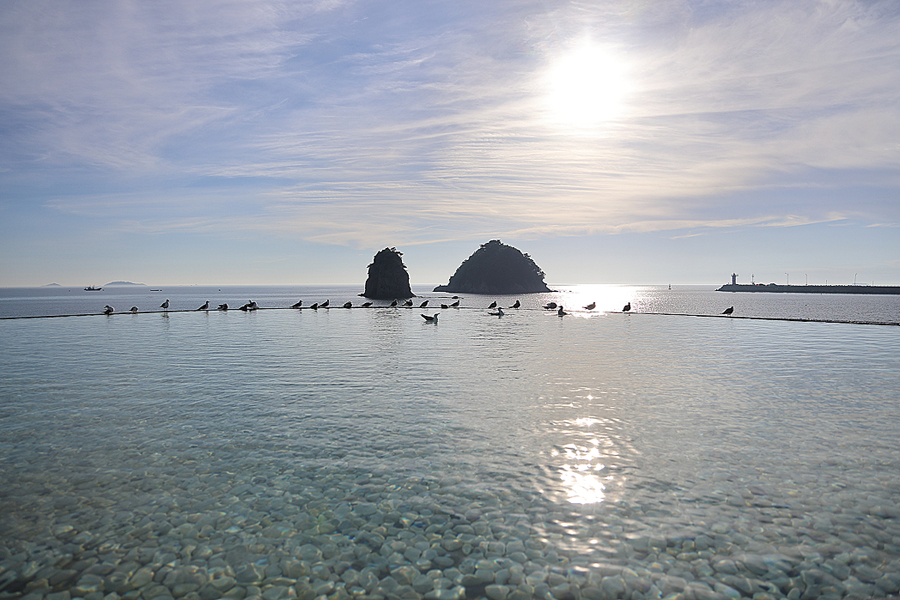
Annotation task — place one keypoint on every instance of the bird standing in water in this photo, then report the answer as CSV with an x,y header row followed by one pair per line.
x,y
297,305
165,305
591,306
728,310
627,307
108,310
561,312
205,306
516,305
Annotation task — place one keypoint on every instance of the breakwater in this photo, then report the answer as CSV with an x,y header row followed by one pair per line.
x,y
812,289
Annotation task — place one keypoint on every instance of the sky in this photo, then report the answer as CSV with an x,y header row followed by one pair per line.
x,y
614,141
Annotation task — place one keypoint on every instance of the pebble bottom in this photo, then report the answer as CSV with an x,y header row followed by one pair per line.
x,y
181,526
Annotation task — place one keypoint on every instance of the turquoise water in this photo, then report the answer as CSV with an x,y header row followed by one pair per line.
x,y
367,453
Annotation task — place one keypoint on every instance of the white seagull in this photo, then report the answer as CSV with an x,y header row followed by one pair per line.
x,y
431,319
165,305
108,310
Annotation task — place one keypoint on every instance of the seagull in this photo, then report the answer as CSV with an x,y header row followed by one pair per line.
x,y
315,306
223,307
297,305
165,305
408,302
516,305
561,312
205,306
253,305
245,307
134,309
455,304
591,306
366,304
324,304
550,306
348,304
444,306
431,319
108,310
493,304
499,313
728,310
627,307
394,303
424,304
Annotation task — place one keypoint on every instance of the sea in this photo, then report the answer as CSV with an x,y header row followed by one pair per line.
x,y
671,451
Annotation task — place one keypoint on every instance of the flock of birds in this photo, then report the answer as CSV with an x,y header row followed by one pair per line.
x,y
252,305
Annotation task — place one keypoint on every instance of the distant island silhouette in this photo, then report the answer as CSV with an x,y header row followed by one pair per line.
x,y
388,278
123,283
496,268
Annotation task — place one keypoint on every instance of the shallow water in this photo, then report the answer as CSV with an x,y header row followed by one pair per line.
x,y
299,452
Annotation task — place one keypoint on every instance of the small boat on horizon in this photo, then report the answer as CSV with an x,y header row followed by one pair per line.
x,y
91,288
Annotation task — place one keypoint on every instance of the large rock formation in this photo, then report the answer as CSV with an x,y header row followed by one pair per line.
x,y
388,278
496,268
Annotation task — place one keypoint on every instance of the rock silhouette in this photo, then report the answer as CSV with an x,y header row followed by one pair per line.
x,y
387,276
496,268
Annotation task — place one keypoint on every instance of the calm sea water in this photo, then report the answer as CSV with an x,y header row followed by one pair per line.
x,y
287,453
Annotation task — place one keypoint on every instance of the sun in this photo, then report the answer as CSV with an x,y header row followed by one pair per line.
x,y
587,87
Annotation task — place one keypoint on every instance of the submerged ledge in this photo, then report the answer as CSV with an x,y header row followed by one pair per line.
x,y
544,311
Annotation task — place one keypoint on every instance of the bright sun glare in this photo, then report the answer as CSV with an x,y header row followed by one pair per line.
x,y
586,87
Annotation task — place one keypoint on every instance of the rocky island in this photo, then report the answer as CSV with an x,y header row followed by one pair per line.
x,y
388,278
496,268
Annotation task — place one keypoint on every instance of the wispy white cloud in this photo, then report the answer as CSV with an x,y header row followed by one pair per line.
x,y
349,125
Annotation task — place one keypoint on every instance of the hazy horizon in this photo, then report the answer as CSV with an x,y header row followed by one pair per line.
x,y
232,143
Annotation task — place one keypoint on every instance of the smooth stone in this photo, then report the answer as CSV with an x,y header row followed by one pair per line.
x,y
726,590
404,574
612,586
183,589
496,591
456,593
276,592
88,584
725,566
141,577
